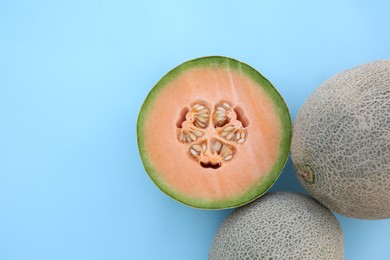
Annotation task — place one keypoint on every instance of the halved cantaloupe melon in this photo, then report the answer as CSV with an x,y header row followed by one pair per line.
x,y
214,133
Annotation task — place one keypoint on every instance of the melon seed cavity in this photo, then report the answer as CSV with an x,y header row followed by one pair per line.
x,y
213,133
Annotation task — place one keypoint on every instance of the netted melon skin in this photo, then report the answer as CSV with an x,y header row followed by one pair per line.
x,y
341,135
280,225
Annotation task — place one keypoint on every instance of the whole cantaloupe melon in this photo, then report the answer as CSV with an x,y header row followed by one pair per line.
x,y
279,225
214,133
341,142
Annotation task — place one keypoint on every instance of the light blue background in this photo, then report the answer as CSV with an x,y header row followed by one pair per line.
x,y
73,76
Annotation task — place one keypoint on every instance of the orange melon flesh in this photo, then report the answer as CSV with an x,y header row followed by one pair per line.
x,y
257,161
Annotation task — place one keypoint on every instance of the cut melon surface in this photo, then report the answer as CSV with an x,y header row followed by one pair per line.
x,y
213,133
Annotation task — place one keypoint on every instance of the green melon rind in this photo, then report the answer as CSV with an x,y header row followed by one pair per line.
x,y
265,184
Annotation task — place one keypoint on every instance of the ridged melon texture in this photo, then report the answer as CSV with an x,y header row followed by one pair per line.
x,y
341,142
279,225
